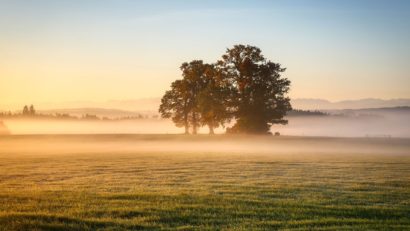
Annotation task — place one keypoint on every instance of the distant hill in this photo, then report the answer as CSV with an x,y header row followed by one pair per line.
x,y
321,104
297,112
387,111
152,104
116,113
143,104
147,104
382,109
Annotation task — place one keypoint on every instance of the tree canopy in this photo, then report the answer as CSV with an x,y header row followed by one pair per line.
x,y
243,86
258,90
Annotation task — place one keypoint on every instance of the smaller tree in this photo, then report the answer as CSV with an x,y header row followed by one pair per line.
x,y
175,104
193,74
32,111
25,110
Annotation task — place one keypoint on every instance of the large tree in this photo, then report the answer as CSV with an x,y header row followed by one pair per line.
x,y
258,90
244,85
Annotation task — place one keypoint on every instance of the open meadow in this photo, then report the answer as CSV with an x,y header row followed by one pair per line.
x,y
172,182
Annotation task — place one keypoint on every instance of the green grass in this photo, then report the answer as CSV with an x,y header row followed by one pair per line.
x,y
70,188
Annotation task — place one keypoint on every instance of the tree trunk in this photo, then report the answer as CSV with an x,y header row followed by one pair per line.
x,y
194,131
186,124
211,129
186,129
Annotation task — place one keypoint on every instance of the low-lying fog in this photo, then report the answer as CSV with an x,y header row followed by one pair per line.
x,y
346,126
376,124
143,126
289,147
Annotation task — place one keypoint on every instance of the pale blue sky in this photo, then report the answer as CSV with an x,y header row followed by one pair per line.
x,y
101,50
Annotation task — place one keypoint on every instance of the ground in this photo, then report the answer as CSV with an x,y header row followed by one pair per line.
x,y
150,182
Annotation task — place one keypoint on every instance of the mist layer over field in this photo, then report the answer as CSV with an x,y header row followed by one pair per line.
x,y
242,144
176,182
351,124
45,126
348,126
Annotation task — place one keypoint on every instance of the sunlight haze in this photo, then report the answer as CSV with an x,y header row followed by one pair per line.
x,y
59,51
204,115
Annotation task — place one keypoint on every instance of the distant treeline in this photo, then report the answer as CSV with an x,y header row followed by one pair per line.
x,y
296,112
30,112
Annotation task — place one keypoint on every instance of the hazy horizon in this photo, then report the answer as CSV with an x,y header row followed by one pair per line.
x,y
152,104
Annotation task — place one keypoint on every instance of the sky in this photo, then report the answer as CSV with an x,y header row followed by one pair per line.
x,y
99,50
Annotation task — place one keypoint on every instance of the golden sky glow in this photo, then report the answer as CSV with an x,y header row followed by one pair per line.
x,y
75,51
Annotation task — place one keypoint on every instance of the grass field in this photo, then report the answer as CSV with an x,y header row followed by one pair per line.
x,y
116,182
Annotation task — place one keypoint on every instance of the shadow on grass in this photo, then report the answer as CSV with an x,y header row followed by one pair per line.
x,y
22,221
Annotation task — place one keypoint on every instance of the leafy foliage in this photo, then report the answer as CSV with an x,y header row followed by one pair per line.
x,y
259,92
243,85
176,104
